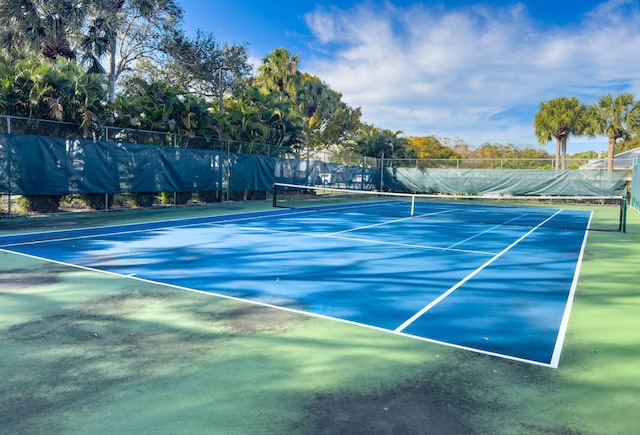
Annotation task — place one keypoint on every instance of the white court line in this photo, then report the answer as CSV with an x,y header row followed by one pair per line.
x,y
278,307
230,223
397,331
356,239
63,230
468,277
139,230
488,230
555,357
367,226
386,222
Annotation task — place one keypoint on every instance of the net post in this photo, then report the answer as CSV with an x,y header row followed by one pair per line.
x,y
413,204
274,199
274,195
623,215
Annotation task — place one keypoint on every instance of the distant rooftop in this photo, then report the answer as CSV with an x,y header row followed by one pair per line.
x,y
621,162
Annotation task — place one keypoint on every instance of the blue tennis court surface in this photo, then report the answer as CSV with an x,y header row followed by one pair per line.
x,y
498,289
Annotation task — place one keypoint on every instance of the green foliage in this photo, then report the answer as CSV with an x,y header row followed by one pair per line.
x,y
174,80
58,91
627,145
372,141
42,28
197,64
615,116
124,31
159,107
509,151
279,73
253,116
338,128
585,155
40,203
315,103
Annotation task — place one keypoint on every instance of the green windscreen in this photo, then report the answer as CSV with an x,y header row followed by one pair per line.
x,y
43,165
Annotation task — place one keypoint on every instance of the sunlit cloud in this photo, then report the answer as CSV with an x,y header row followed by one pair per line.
x,y
477,72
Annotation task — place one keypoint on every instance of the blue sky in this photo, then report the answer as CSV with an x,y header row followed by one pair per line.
x,y
475,70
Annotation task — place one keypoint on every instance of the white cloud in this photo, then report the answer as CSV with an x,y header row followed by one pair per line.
x,y
478,72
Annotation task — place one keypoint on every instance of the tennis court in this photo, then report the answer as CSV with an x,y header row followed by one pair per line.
x,y
502,288
85,350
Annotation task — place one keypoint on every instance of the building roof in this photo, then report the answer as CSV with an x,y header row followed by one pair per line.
x,y
621,162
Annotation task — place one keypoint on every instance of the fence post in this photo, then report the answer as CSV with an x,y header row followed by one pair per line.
x,y
228,172
175,194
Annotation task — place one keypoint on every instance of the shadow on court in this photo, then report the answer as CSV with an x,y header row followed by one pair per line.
x,y
84,352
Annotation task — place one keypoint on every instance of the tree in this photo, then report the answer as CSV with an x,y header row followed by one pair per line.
x,y
131,30
429,147
125,31
159,107
616,117
279,73
560,118
285,128
627,145
58,91
278,125
371,141
338,128
196,64
245,123
315,103
42,27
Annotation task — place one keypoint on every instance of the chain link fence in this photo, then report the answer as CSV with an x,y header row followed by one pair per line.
x,y
236,182
490,163
18,125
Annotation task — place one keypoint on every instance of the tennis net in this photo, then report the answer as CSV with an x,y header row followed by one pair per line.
x,y
599,213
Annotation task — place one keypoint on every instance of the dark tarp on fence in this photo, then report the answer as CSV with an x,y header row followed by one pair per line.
x,y
251,172
41,165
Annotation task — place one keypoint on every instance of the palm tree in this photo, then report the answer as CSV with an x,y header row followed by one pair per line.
x,y
279,73
42,26
125,31
245,123
615,116
81,95
58,91
284,128
559,118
